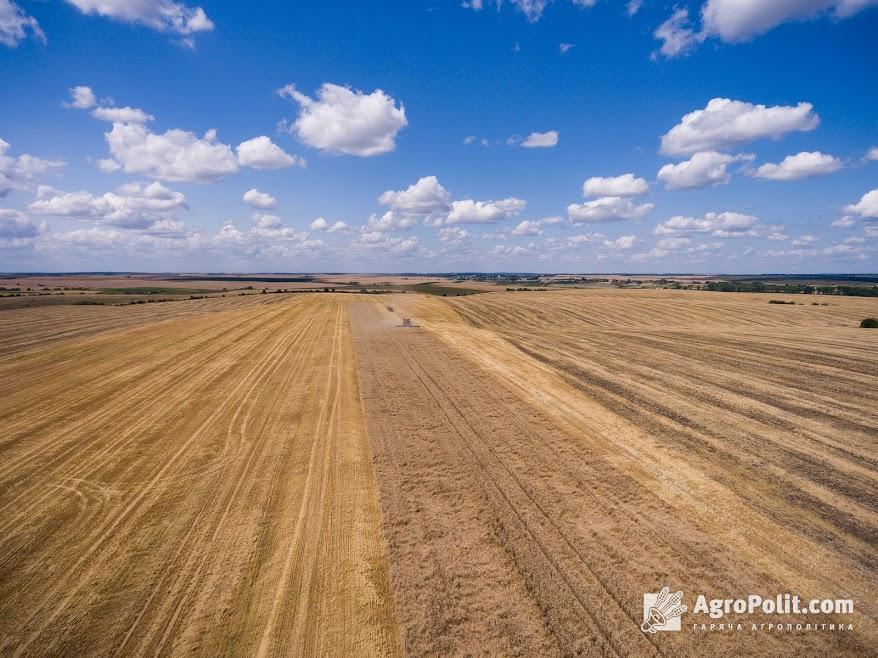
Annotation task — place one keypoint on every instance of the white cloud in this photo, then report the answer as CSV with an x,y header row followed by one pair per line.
x,y
259,199
175,155
585,238
677,34
734,21
607,209
261,153
803,241
19,173
81,98
844,222
727,123
624,185
388,222
468,211
17,230
621,244
160,15
15,24
344,121
867,206
321,224
511,251
872,154
131,206
778,236
720,225
541,140
426,199
845,251
381,244
796,167
266,220
267,238
108,165
453,235
120,114
527,227
633,7
673,244
740,20
702,169
532,9
564,47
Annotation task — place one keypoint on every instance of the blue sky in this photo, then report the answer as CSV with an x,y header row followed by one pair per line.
x,y
583,136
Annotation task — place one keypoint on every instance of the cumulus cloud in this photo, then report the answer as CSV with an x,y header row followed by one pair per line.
x,y
726,123
265,220
844,222
607,209
160,15
81,98
702,169
624,185
388,222
15,25
803,240
528,227
321,224
677,34
468,211
541,140
621,244
267,238
131,206
17,231
734,21
426,200
19,173
512,251
720,225
453,235
532,9
175,155
565,47
261,153
380,244
867,206
741,20
806,164
258,199
342,120
872,153
120,114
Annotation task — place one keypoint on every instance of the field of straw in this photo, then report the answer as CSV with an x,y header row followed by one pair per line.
x,y
298,475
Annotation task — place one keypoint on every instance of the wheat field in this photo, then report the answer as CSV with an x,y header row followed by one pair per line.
x,y
298,475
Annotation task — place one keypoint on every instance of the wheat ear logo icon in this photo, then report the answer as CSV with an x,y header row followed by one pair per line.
x,y
663,610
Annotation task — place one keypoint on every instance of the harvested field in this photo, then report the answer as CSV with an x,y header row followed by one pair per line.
x,y
200,485
299,475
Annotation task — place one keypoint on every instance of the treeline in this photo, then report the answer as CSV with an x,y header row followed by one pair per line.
x,y
791,288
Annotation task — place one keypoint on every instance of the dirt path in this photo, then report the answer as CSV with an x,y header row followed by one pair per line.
x,y
200,486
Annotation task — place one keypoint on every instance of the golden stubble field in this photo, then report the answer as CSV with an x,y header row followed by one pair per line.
x,y
298,475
